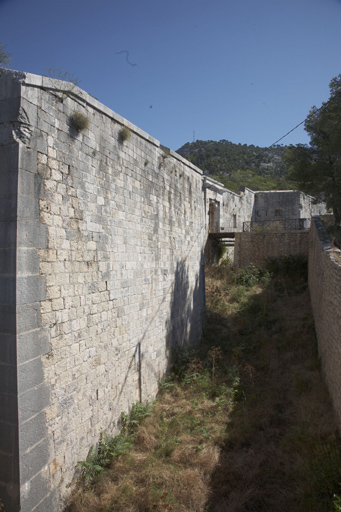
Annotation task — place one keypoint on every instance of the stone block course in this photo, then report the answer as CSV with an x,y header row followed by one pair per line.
x,y
108,255
325,286
254,248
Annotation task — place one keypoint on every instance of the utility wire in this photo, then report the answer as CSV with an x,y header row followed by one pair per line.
x,y
299,124
286,134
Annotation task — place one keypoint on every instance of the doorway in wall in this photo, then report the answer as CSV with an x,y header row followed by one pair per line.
x,y
214,217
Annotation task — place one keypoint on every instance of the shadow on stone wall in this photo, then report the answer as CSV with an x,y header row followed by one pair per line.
x,y
183,326
187,309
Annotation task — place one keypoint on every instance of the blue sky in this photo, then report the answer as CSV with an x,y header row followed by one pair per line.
x,y
245,71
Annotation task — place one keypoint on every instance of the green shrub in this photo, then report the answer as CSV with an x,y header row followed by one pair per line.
x,y
288,264
79,121
124,134
109,447
336,503
138,413
250,276
222,250
100,458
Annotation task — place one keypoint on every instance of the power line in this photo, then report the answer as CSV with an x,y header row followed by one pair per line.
x,y
299,124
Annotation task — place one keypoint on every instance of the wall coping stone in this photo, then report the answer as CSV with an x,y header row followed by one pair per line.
x,y
53,84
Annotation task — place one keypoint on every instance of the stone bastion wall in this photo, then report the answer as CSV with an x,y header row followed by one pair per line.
x,y
325,293
101,272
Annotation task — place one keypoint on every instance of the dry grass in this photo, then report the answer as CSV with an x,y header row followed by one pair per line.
x,y
256,434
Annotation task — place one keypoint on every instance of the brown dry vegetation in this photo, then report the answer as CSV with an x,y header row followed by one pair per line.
x,y
244,424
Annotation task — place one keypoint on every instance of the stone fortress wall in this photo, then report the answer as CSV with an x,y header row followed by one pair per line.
x,y
325,294
233,209
253,248
102,271
288,204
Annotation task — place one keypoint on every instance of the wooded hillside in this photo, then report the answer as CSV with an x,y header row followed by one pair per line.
x,y
240,164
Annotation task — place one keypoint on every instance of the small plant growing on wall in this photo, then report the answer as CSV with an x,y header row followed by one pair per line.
x,y
124,134
79,121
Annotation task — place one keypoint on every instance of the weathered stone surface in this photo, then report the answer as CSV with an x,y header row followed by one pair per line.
x,y
102,272
256,247
103,263
325,286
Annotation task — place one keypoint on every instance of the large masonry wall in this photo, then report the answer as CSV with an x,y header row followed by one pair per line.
x,y
233,209
325,293
9,158
286,204
104,266
255,247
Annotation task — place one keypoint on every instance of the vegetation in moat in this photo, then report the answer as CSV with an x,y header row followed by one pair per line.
x,y
239,164
242,423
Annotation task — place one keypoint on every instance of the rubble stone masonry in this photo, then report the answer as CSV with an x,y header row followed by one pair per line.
x,y
102,271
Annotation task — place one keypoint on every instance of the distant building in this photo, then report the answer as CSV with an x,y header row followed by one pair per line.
x,y
228,211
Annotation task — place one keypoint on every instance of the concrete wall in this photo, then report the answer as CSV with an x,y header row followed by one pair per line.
x,y
325,294
255,247
102,250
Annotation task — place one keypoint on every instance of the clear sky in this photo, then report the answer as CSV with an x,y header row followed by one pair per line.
x,y
246,71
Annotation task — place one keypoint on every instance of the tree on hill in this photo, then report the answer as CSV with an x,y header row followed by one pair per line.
x,y
239,164
316,167
5,57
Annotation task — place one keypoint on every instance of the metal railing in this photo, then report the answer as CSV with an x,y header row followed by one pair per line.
x,y
277,225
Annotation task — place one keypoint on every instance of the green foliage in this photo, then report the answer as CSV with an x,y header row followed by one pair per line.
x,y
251,276
124,134
222,250
99,459
235,164
79,121
166,384
323,473
219,251
317,168
292,264
110,448
138,413
336,503
228,262
181,357
5,59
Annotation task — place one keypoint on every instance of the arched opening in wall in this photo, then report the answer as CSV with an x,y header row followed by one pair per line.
x,y
214,217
